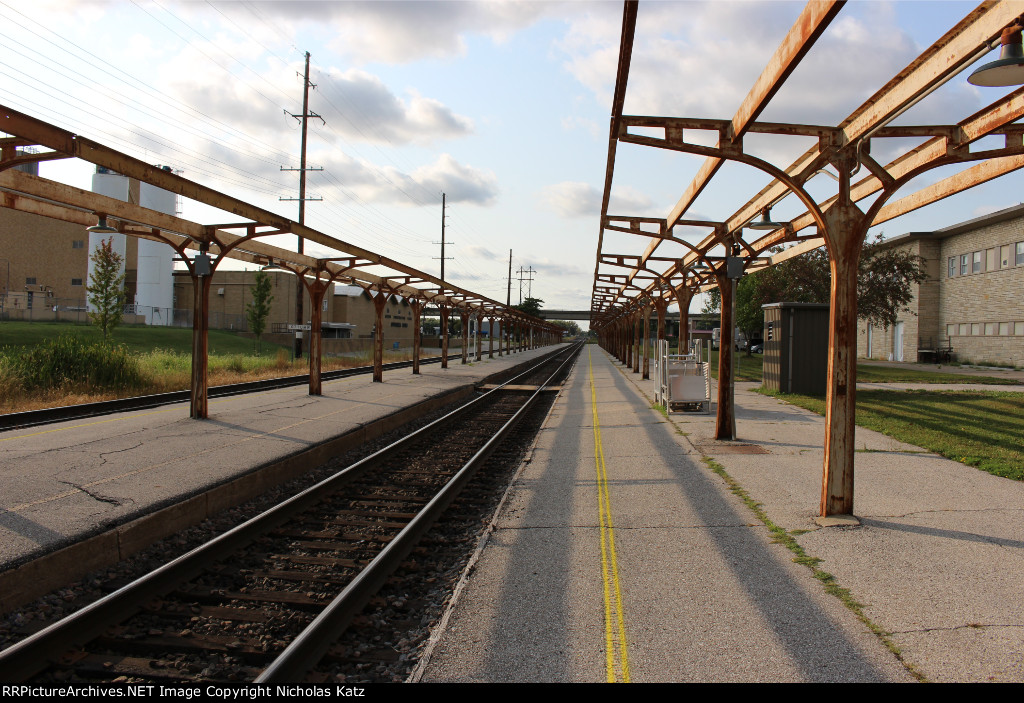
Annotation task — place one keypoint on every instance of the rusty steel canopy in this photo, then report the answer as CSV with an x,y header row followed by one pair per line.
x,y
665,267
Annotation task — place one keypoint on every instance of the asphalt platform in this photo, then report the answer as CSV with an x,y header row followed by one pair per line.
x,y
620,554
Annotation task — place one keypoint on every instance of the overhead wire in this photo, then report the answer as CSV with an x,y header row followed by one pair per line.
x,y
377,229
98,64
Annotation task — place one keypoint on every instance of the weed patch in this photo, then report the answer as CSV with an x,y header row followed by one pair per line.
x,y
70,362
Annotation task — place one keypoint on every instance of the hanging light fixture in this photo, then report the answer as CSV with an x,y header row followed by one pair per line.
x,y
765,222
270,265
1008,69
101,227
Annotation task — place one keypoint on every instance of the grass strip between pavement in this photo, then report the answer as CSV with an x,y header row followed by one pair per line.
x,y
984,429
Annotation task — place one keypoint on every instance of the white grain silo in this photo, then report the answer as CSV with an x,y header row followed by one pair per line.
x,y
113,185
154,288
154,292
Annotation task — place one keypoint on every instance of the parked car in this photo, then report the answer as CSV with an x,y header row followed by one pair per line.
x,y
757,347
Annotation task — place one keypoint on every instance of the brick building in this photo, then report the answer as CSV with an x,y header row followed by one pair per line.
x,y
44,268
347,313
971,300
44,274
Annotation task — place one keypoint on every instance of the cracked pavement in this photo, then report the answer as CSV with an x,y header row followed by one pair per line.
x,y
59,482
710,594
938,558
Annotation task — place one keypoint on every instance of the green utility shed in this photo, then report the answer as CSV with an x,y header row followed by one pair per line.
x,y
796,347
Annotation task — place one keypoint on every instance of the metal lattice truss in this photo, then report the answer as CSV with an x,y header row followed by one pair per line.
x,y
678,256
238,240
380,276
845,147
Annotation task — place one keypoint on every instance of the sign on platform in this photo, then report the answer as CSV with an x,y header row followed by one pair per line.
x,y
300,328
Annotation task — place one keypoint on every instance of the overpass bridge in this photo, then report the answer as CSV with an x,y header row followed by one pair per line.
x,y
698,321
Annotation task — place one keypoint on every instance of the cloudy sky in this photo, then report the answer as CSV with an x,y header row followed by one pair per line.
x,y
503,106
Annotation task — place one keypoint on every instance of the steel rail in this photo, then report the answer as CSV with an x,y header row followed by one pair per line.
x,y
33,654
31,418
306,650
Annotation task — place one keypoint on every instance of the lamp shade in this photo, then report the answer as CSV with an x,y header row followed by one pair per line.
x,y
101,227
765,222
1008,69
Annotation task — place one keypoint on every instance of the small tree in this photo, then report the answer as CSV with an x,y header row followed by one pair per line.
x,y
531,306
568,325
106,291
885,280
258,310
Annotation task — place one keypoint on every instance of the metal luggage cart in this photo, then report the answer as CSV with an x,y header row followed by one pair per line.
x,y
682,382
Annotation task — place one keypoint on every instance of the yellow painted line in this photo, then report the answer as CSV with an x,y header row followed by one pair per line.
x,y
616,650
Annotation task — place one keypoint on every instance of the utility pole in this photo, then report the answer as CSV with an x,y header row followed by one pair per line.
x,y
303,118
508,295
443,257
529,280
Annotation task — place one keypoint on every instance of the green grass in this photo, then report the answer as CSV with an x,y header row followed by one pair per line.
x,y
751,368
139,339
984,429
869,373
748,368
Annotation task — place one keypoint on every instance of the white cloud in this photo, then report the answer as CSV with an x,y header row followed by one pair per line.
x,y
370,183
699,59
590,126
576,199
358,106
461,183
401,32
982,210
478,252
371,112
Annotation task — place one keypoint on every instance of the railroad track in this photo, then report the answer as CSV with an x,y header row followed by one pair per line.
x,y
31,418
265,601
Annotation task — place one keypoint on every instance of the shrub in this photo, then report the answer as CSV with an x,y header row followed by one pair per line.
x,y
68,361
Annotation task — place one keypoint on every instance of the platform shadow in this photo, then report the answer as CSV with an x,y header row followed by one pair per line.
x,y
815,644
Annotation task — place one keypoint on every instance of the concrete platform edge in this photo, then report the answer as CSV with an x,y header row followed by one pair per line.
x,y
41,575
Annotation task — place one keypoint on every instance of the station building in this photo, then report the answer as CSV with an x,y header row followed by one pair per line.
x,y
970,304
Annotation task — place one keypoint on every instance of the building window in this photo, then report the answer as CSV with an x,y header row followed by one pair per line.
x,y
976,329
990,259
1004,329
1004,256
31,281
950,330
976,262
964,330
78,244
963,264
952,267
1020,254
324,306
76,281
990,328
1018,328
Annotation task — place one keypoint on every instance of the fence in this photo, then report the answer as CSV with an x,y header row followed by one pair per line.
x,y
46,309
